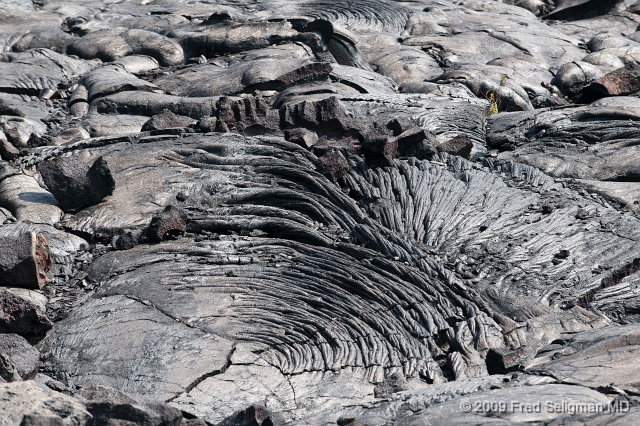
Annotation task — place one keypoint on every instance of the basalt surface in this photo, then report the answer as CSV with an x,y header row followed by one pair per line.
x,y
319,213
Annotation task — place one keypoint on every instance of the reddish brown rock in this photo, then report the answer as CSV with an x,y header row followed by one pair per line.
x,y
24,261
621,82
501,360
172,221
333,164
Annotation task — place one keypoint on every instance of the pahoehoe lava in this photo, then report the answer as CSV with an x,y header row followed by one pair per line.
x,y
356,213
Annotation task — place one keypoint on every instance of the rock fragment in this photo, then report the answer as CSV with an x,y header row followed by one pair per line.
x,y
379,148
394,383
301,136
416,142
249,115
500,360
172,221
333,164
166,120
324,116
125,241
7,150
573,76
18,359
107,404
621,82
27,403
459,145
24,261
74,183
208,124
255,415
23,314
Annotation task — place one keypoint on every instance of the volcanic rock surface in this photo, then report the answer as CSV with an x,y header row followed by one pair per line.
x,y
280,212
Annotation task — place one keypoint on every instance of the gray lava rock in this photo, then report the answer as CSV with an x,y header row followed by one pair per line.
x,y
392,384
22,314
26,403
18,359
74,183
69,136
248,115
208,124
7,150
460,145
107,405
301,136
578,359
572,77
166,120
379,148
24,261
112,44
309,280
326,116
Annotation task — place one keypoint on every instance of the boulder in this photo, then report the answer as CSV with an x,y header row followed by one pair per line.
x,y
301,136
459,145
23,312
621,82
27,403
7,150
18,359
172,221
107,404
379,148
24,261
333,164
74,183
166,120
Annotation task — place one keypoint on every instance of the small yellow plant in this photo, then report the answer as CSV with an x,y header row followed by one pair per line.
x,y
493,104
